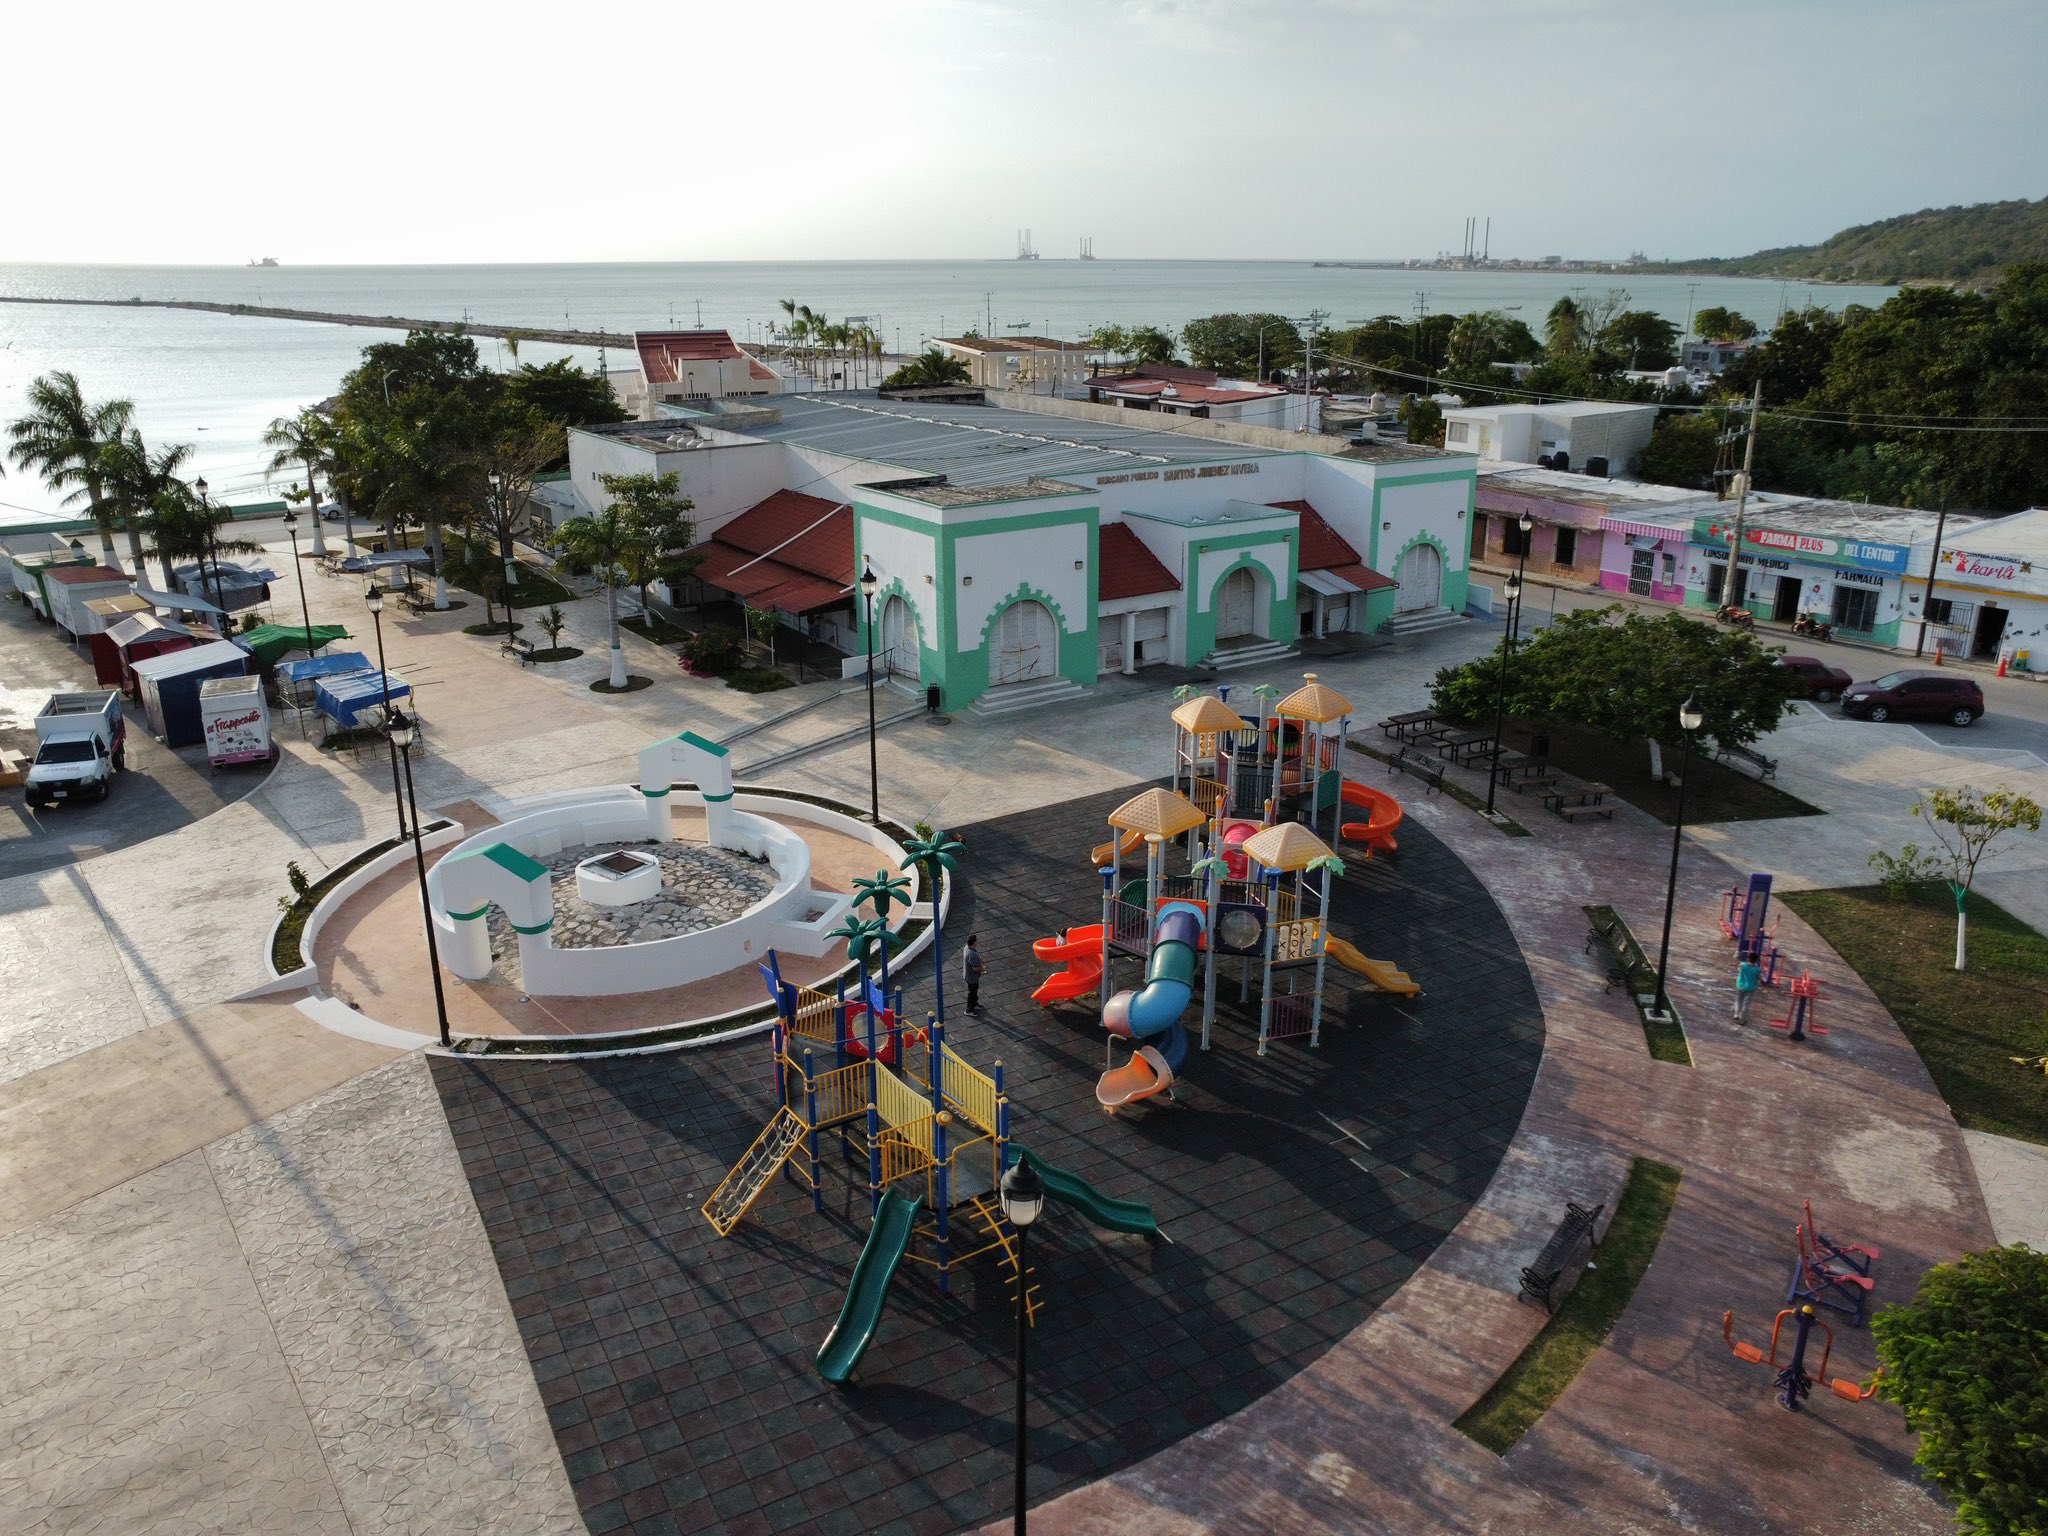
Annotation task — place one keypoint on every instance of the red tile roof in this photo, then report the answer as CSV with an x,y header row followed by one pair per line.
x,y
83,575
1323,548
660,351
1171,373
1126,568
792,551
1184,394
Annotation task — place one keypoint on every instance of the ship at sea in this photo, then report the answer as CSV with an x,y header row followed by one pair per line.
x,y
267,261
1087,248
1026,251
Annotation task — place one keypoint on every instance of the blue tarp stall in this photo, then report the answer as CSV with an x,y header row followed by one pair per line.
x,y
241,586
168,686
333,664
361,563
357,698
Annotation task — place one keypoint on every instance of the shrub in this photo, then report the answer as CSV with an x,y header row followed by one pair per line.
x,y
301,886
1964,1359
713,653
1899,873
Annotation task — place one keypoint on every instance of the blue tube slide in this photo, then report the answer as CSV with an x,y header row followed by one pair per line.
x,y
1152,1013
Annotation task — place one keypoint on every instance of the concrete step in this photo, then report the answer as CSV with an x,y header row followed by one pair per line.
x,y
1011,697
1422,620
1234,657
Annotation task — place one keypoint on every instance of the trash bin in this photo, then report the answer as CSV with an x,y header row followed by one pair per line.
x,y
931,699
2019,661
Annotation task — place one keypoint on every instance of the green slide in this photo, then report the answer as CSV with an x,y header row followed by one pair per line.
x,y
1116,1215
869,1289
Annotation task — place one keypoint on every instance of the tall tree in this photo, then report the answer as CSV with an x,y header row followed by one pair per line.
x,y
301,440
1243,346
1564,329
563,392
1717,323
1484,337
60,439
655,529
1968,824
517,443
148,487
1640,338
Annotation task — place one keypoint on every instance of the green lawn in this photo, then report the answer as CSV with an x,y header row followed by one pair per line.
x,y
1664,1037
1966,1025
1584,1318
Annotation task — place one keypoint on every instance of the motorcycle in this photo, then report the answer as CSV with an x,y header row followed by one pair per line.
x,y
1741,618
1807,624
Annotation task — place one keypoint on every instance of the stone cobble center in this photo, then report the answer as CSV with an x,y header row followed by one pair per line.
x,y
700,888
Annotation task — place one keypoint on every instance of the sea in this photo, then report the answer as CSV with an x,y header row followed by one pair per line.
x,y
216,381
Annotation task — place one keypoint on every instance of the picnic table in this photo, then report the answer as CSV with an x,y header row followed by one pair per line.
x,y
1406,727
1571,801
1458,745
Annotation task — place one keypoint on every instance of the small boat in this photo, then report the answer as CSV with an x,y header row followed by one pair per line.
x,y
267,261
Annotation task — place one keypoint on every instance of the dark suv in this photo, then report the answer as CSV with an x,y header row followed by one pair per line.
x,y
1817,680
1916,696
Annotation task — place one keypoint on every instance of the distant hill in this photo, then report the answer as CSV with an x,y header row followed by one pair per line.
x,y
1959,245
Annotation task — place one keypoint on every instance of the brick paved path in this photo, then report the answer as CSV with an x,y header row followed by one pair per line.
x,y
1663,1430
1301,1192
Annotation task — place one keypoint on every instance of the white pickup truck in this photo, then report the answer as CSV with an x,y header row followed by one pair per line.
x,y
81,742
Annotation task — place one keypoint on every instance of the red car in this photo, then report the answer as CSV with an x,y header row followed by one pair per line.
x,y
1817,679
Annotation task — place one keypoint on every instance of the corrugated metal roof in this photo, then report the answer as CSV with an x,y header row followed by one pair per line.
x,y
975,445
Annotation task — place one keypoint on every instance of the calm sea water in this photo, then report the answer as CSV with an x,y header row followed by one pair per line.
x,y
215,381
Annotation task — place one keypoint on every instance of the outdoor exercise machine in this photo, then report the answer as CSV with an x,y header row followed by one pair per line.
x,y
1800,998
1794,1381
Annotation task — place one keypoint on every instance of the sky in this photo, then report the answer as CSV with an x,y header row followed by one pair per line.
x,y
874,129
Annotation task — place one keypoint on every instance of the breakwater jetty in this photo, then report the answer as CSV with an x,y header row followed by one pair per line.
x,y
559,336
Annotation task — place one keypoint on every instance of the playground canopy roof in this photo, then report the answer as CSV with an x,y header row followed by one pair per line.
x,y
1289,846
1159,811
1315,702
1207,713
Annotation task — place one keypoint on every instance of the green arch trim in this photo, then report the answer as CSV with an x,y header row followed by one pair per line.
x,y
470,917
537,928
719,799
652,794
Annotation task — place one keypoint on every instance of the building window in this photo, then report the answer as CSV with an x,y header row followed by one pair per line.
x,y
1567,547
1460,432
1855,608
1670,570
1512,540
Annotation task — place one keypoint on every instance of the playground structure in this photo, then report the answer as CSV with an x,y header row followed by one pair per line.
x,y
931,1131
1258,886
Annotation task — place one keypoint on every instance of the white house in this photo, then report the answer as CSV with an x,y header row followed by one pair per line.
x,y
680,367
1036,365
1594,437
1203,395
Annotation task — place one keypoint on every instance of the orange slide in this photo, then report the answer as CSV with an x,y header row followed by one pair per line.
x,y
1377,831
1081,948
1132,842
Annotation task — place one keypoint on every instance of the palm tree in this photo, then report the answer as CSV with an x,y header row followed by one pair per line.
x,y
930,369
61,438
140,485
882,892
600,541
936,856
183,525
302,439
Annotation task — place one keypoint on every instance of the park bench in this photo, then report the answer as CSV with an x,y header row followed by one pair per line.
x,y
1539,1279
1574,813
1425,766
521,650
1626,959
1763,767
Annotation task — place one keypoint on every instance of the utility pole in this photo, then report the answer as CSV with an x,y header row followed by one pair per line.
x,y
1690,289
1933,562
1308,364
1731,596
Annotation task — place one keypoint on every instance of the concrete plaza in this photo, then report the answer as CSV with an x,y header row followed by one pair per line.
x,y
251,1288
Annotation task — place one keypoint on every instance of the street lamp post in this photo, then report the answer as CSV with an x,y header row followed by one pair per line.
x,y
211,551
868,584
400,730
291,526
1511,589
1689,717
1023,1197
373,599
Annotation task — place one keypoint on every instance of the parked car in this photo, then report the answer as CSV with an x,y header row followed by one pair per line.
x,y
1916,696
1817,679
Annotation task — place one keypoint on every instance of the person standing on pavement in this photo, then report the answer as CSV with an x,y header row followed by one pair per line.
x,y
970,972
1748,977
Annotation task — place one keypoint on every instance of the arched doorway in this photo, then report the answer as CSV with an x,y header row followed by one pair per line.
x,y
1237,605
1421,577
899,639
1027,644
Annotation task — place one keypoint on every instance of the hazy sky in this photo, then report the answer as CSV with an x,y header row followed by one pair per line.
x,y
428,131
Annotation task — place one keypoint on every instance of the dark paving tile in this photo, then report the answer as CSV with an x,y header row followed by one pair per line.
x,y
1301,1189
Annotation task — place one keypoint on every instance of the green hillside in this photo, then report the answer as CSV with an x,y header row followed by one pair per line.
x,y
1961,245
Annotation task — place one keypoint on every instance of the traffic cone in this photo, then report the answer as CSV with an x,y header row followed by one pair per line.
x,y
1937,653
2003,661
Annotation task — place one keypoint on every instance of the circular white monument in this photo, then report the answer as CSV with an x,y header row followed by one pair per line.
x,y
619,879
